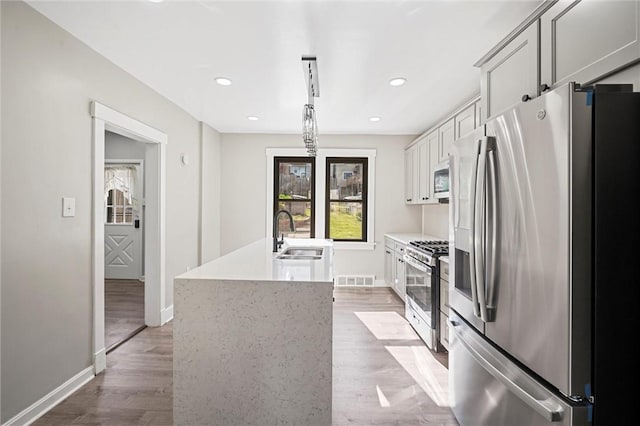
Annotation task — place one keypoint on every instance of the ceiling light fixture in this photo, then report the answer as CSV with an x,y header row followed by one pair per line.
x,y
223,81
399,81
374,119
309,124
156,1
252,118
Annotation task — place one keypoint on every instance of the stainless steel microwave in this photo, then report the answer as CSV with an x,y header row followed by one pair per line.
x,y
441,181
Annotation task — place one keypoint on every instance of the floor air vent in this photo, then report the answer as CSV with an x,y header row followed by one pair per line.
x,y
354,280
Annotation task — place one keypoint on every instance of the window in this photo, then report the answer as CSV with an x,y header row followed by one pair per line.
x,y
119,209
119,182
294,191
346,199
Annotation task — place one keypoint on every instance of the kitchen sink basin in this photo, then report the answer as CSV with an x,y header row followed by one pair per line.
x,y
301,253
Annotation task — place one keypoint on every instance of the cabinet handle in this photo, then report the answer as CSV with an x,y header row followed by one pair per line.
x,y
544,87
408,199
526,98
387,251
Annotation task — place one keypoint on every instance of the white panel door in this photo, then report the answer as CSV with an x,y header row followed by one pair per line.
x,y
122,252
122,230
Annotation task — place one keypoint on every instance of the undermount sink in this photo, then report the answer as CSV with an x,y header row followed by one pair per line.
x,y
301,253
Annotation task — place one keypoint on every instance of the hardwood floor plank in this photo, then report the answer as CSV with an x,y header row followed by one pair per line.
x,y
123,310
374,380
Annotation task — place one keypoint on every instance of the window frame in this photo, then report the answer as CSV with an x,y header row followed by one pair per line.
x,y
277,160
364,162
324,152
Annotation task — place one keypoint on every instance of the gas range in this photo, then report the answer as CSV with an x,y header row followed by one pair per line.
x,y
427,251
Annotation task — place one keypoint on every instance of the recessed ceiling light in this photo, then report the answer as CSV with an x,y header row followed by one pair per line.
x,y
399,81
156,1
253,118
374,119
223,81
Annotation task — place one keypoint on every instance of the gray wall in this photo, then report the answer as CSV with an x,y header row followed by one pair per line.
x,y
211,176
47,154
118,147
243,206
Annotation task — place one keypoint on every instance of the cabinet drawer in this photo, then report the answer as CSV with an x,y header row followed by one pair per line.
x,y
444,297
399,248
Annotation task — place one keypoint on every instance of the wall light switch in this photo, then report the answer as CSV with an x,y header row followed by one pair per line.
x,y
68,207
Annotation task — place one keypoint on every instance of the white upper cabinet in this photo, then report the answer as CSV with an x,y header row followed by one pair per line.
x,y
433,142
581,41
426,153
411,175
447,136
465,121
479,121
584,40
424,177
511,75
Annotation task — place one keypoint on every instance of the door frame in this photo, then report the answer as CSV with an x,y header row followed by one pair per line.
x,y
155,314
139,163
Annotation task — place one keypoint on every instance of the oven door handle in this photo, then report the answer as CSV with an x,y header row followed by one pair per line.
x,y
408,260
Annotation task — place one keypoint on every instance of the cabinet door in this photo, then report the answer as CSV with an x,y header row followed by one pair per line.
x,y
583,40
408,175
400,280
478,114
388,266
433,141
424,178
447,136
511,75
465,121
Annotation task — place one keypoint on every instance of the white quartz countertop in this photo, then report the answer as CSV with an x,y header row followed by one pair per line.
x,y
257,262
406,238
444,259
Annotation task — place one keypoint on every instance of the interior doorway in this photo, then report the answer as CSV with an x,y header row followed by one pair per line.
x,y
123,239
151,216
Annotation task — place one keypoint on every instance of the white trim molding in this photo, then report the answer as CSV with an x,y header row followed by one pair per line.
x,y
107,119
50,400
167,314
100,361
320,183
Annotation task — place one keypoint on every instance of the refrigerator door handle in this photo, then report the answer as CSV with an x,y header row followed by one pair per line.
x,y
546,407
491,276
473,197
479,217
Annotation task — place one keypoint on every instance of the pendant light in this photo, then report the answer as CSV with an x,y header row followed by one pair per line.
x,y
309,123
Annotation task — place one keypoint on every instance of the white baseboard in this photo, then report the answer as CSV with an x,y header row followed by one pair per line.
x,y
100,361
53,398
166,315
380,283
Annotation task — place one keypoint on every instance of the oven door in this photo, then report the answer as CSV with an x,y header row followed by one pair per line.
x,y
418,278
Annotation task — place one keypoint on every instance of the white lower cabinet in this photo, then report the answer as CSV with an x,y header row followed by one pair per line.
x,y
394,266
389,266
400,286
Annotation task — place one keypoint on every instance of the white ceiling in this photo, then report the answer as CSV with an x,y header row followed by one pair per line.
x,y
178,47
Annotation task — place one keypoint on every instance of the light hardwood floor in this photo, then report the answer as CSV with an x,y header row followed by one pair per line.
x,y
382,375
123,310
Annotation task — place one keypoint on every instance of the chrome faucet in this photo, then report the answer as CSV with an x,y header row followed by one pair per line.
x,y
277,243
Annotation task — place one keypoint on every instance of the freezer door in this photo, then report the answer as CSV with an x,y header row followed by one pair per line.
x,y
487,389
541,159
463,165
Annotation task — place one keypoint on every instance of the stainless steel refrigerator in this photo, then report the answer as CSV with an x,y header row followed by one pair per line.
x,y
529,292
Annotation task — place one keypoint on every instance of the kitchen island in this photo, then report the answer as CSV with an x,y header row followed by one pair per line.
x,y
253,338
